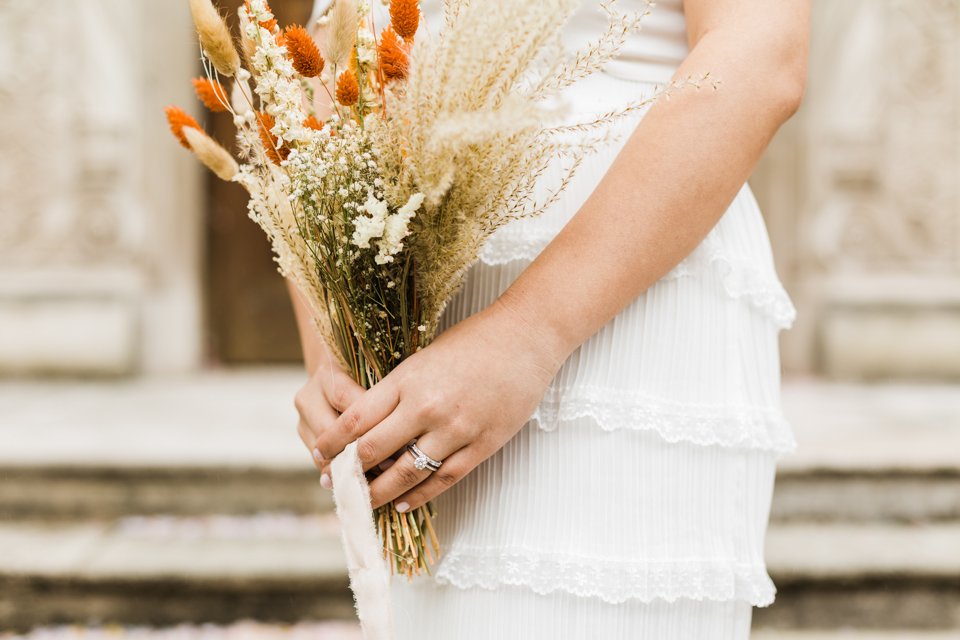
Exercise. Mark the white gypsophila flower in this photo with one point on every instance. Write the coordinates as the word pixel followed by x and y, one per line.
pixel 368 227
pixel 396 228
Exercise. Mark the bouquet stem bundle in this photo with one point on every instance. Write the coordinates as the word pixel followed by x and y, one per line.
pixel 432 144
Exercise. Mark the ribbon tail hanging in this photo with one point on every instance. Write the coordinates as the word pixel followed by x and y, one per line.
pixel 369 576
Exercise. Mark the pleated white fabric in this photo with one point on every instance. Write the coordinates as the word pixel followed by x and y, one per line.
pixel 615 515
pixel 634 503
pixel 427 611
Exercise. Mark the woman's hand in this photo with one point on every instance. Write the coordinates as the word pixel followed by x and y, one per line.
pixel 462 398
pixel 327 394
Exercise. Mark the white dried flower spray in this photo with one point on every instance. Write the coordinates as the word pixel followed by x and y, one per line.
pixel 371 224
pixel 278 83
pixel 396 228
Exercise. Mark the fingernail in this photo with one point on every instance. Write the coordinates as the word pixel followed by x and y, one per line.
pixel 403 507
pixel 317 455
pixel 386 464
pixel 325 481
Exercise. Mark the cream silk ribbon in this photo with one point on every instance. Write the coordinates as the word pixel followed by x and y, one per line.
pixel 369 577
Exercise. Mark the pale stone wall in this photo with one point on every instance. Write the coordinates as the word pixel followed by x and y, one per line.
pixel 99 212
pixel 862 193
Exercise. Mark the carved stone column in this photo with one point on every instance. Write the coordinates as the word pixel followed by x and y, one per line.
pixel 863 193
pixel 99 211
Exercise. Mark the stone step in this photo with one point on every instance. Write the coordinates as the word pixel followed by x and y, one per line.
pixel 224 442
pixel 864 576
pixel 881 495
pixel 213 442
pixel 349 631
pixel 903 634
pixel 169 570
pixel 245 630
pixel 287 568
pixel 58 492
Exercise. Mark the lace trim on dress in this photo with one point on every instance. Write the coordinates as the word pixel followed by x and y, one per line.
pixel 744 427
pixel 612 580
pixel 741 279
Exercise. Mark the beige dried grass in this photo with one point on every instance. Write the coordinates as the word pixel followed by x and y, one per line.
pixel 211 154
pixel 342 33
pixel 215 37
pixel 484 137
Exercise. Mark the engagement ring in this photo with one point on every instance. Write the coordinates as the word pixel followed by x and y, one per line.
pixel 421 460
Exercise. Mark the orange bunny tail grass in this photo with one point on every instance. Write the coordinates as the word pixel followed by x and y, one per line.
pixel 393 57
pixel 312 123
pixel 211 154
pixel 275 153
pixel 215 37
pixel 303 52
pixel 405 17
pixel 212 94
pixel 348 89
pixel 178 119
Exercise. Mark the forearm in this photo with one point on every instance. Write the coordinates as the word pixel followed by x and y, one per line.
pixel 672 181
pixel 315 350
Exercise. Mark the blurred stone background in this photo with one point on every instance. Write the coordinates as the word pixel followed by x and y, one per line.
pixel 150 475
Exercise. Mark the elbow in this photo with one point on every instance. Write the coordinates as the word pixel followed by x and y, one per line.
pixel 790 92
pixel 791 77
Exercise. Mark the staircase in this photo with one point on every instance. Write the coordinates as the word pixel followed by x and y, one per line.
pixel 158 502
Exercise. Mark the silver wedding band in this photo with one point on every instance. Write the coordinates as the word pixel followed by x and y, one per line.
pixel 421 460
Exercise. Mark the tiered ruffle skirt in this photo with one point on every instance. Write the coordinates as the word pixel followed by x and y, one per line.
pixel 634 503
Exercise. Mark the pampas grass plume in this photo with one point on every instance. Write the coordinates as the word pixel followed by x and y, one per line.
pixel 215 37
pixel 215 157
pixel 342 33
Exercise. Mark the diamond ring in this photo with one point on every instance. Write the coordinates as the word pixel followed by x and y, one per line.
pixel 421 460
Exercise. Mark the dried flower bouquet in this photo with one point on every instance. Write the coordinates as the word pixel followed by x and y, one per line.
pixel 433 143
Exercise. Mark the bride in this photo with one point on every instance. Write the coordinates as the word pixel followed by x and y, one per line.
pixel 603 408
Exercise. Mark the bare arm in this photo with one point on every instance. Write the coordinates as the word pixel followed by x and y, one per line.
pixel 685 162
pixel 315 350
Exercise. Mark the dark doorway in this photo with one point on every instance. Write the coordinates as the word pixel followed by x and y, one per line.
pixel 249 319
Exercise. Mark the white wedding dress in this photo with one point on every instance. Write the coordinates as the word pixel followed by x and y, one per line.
pixel 634 503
